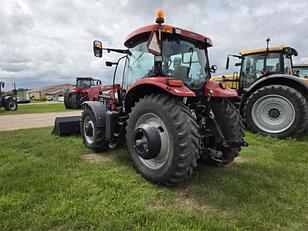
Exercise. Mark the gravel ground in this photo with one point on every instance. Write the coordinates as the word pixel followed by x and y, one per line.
pixel 33 120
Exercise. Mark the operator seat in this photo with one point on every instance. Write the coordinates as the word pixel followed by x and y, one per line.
pixel 180 72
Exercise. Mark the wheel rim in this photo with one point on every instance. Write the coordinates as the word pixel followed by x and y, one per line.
pixel 89 130
pixel 155 121
pixel 273 114
pixel 12 105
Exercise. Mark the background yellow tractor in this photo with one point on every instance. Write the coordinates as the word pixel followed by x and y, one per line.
pixel 301 70
pixel 271 99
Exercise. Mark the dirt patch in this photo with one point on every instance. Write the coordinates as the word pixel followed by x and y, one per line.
pixel 240 160
pixel 184 199
pixel 96 158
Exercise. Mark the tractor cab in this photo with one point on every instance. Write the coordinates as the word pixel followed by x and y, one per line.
pixel 161 53
pixel 86 82
pixel 167 51
pixel 258 63
pixel 301 70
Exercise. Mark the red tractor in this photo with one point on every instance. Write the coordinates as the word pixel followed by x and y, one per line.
pixel 9 102
pixel 167 110
pixel 75 96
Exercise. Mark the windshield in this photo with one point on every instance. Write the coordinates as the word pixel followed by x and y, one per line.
pixel 253 67
pixel 180 59
pixel 84 83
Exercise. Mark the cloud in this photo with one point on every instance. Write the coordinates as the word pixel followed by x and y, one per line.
pixel 50 41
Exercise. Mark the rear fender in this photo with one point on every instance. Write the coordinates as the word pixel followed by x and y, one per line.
pixel 161 83
pixel 216 89
pixel 289 80
pixel 8 98
pixel 155 85
pixel 99 110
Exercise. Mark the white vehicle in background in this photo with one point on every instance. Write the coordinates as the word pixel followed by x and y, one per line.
pixel 49 98
pixel 61 98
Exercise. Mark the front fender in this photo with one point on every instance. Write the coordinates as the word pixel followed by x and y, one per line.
pixel 216 89
pixel 99 110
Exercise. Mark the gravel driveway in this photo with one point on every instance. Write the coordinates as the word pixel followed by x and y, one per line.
pixel 33 120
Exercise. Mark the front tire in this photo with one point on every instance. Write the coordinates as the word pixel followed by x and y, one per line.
pixel 93 137
pixel 11 105
pixel 276 110
pixel 179 136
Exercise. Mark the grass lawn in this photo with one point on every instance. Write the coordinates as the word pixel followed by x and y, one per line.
pixel 53 183
pixel 35 108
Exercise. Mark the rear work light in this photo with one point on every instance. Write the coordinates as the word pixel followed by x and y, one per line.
pixel 175 83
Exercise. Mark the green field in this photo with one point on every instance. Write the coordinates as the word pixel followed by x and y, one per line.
pixel 35 108
pixel 53 183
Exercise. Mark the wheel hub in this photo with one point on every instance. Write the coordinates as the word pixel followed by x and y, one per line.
pixel 147 141
pixel 12 105
pixel 89 129
pixel 165 147
pixel 274 113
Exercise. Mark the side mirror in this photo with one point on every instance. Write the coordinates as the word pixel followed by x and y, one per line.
pixel 98 48
pixel 213 68
pixel 227 63
pixel 238 64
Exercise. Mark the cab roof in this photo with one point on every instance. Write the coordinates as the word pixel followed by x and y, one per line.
pixel 140 33
pixel 84 78
pixel 271 49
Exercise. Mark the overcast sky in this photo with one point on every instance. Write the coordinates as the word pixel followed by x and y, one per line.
pixel 50 41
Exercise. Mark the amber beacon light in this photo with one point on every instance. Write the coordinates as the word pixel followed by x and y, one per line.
pixel 160 16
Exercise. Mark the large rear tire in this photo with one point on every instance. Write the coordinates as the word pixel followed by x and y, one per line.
pixel 93 137
pixel 67 100
pixel 232 127
pixel 276 110
pixel 179 137
pixel 72 100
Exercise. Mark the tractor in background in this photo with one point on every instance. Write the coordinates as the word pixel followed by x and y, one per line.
pixel 271 99
pixel 166 109
pixel 75 96
pixel 301 70
pixel 9 102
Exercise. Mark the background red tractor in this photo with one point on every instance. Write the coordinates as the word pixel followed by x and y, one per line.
pixel 75 96
pixel 166 109
pixel 9 102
